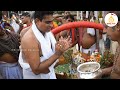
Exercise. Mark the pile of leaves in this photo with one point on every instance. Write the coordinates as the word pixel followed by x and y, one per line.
pixel 68 55
pixel 63 71
pixel 107 59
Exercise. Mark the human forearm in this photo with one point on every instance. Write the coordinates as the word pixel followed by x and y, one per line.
pixel 106 71
pixel 43 67
pixel 61 46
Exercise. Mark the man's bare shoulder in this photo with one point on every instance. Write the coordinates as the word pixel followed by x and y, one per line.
pixel 27 28
pixel 24 31
pixel 28 37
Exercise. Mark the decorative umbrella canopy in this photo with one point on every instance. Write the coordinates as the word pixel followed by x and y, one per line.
pixel 85 24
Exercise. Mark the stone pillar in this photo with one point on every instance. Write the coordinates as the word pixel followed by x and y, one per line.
pixel 87 13
pixel 96 14
pixel 78 15
pixel 81 15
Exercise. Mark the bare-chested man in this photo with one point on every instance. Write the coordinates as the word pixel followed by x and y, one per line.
pixel 39 49
pixel 89 36
pixel 9 53
pixel 88 41
pixel 26 20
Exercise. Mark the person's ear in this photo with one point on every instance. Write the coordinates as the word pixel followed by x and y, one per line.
pixel 37 20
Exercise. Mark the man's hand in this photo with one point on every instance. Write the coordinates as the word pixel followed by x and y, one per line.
pixel 99 75
pixel 62 45
pixel 65 42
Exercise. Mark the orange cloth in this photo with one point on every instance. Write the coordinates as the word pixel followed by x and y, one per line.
pixel 55 25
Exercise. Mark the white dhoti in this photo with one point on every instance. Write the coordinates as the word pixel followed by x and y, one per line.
pixel 47 44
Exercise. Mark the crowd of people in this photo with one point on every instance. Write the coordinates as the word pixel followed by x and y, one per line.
pixel 29 50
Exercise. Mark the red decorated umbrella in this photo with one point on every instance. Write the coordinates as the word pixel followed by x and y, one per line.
pixel 78 24
pixel 85 24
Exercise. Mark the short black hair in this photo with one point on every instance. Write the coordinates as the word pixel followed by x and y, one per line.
pixel 11 14
pixel 70 16
pixel 40 14
pixel 27 14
